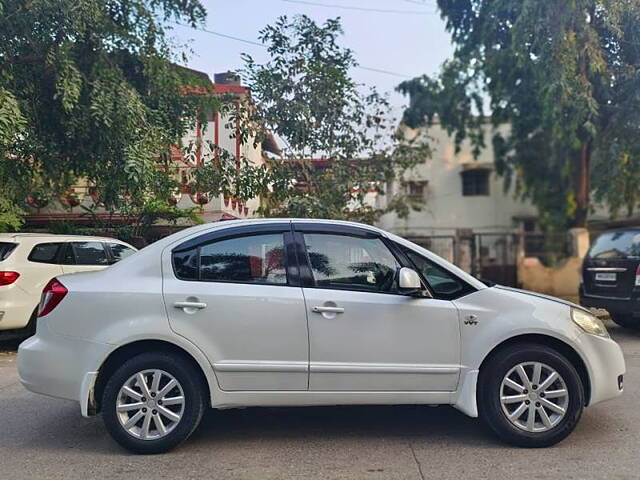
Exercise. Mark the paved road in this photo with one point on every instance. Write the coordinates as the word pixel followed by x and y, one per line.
pixel 42 437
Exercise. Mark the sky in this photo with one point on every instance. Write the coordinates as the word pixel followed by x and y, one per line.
pixel 408 44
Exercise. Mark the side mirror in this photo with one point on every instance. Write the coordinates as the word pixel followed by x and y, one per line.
pixel 409 282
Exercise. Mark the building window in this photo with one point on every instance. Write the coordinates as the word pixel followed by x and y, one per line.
pixel 415 189
pixel 475 182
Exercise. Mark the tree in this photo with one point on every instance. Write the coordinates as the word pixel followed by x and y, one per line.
pixel 12 127
pixel 565 75
pixel 88 91
pixel 340 143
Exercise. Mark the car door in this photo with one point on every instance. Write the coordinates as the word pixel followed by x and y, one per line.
pixel 364 335
pixel 235 295
pixel 84 257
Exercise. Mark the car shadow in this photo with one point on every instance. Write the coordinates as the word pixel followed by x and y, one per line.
pixel 334 422
pixel 62 429
pixel 9 346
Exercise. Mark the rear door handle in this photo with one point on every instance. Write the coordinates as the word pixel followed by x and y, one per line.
pixel 327 309
pixel 194 305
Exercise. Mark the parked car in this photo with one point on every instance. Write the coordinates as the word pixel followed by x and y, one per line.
pixel 29 260
pixel 611 276
pixel 302 312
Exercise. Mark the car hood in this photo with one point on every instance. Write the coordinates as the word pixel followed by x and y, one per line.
pixel 541 295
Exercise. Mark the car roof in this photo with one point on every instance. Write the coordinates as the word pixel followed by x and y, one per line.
pixel 322 221
pixel 55 237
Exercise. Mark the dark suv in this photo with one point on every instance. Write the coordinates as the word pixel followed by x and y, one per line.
pixel 611 276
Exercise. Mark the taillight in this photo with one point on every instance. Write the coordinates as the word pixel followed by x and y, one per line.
pixel 7 278
pixel 638 276
pixel 52 295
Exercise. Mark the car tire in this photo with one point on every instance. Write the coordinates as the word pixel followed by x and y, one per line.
pixel 146 435
pixel 495 394
pixel 625 320
pixel 30 328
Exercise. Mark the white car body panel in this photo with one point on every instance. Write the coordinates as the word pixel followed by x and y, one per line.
pixel 251 356
pixel 360 348
pixel 273 356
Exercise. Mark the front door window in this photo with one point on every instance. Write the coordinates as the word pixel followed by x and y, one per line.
pixel 351 263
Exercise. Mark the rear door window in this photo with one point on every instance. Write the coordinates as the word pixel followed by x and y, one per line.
pixel 5 249
pixel 255 259
pixel 252 259
pixel 616 245
pixel 45 253
pixel 89 253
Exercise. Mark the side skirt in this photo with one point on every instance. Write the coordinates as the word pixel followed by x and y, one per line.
pixel 315 398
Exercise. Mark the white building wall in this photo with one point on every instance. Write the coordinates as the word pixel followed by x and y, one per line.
pixel 217 206
pixel 445 209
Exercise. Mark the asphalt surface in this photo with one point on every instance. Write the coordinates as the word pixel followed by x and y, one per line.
pixel 42 437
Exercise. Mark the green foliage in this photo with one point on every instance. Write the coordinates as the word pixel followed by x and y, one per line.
pixel 340 139
pixel 88 91
pixel 10 216
pixel 565 76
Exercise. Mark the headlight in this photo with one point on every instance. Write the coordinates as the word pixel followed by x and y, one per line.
pixel 589 323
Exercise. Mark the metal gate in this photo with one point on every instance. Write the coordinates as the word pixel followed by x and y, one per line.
pixel 442 245
pixel 491 256
pixel 495 257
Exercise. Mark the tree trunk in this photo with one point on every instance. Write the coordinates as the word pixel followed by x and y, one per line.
pixel 583 187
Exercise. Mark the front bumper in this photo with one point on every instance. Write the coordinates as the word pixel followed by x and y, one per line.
pixel 60 366
pixel 606 366
pixel 625 306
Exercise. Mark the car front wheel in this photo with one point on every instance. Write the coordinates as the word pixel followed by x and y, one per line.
pixel 153 402
pixel 530 395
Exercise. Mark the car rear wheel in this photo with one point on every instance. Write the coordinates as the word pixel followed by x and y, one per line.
pixel 530 395
pixel 626 320
pixel 153 402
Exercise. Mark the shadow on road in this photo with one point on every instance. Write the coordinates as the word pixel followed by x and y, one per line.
pixel 304 423
pixel 62 428
pixel 9 345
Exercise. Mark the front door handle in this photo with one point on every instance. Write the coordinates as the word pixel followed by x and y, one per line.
pixel 327 309
pixel 190 305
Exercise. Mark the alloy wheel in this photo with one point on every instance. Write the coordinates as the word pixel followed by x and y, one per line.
pixel 534 397
pixel 150 404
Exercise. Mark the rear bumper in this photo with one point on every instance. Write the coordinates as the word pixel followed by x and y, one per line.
pixel 60 366
pixel 16 307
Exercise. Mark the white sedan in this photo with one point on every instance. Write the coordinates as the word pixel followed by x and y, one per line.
pixel 310 312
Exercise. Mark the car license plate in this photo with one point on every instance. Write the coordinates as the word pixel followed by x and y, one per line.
pixel 606 277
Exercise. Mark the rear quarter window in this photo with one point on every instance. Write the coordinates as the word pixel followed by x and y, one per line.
pixel 616 245
pixel 6 248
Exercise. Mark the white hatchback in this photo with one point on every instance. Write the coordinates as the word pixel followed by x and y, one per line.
pixel 310 312
pixel 29 260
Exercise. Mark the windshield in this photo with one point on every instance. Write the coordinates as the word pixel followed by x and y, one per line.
pixel 622 244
